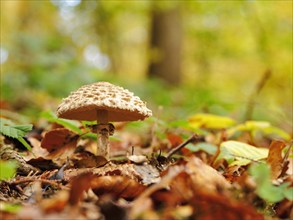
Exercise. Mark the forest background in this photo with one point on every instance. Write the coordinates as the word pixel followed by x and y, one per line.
pixel 231 58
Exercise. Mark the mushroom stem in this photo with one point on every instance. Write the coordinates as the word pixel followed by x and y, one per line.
pixel 103 143
pixel 103 148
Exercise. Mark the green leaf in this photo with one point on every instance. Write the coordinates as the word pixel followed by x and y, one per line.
pixel 210 121
pixel 14 131
pixel 262 126
pixel 209 148
pixel 6 121
pixel 7 169
pixel 70 124
pixel 12 208
pixel 24 143
pixel 265 189
pixel 270 193
pixel 187 126
pixel 288 193
pixel 179 123
pixel 238 153
pixel 274 131
pixel 7 128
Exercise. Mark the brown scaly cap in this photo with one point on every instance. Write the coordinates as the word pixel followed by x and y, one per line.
pixel 121 104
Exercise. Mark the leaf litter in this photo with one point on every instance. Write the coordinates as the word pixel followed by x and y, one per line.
pixel 62 178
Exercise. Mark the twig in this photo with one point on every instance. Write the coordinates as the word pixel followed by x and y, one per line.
pixel 193 138
pixel 259 86
pixel 288 152
pixel 285 162
pixel 29 179
pixel 246 158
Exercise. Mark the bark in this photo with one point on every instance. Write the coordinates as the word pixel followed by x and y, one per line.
pixel 166 45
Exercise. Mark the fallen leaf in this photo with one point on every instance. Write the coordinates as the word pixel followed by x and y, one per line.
pixel 205 177
pixel 37 150
pixel 79 184
pixel 215 206
pixel 275 159
pixel 138 159
pixel 241 154
pixel 58 138
pixel 86 159
pixel 61 144
pixel 145 174
pixel 284 209
pixel 174 139
pixel 56 203
pixel 117 186
pixel 111 209
pixel 43 164
pixel 138 205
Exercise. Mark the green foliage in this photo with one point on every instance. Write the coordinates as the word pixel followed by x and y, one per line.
pixel 216 49
pixel 12 208
pixel 238 153
pixel 15 131
pixel 209 148
pixel 8 169
pixel 73 125
pixel 7 128
pixel 265 189
pixel 70 124
pixel 259 126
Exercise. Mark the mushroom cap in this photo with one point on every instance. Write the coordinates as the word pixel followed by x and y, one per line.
pixel 120 104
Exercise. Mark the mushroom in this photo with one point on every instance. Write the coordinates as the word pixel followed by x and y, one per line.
pixel 103 102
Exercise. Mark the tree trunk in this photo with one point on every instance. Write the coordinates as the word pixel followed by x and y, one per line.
pixel 166 45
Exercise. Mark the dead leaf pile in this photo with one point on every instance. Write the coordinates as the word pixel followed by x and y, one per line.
pixel 62 178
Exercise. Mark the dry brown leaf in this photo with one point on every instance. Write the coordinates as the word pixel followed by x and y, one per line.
pixel 138 206
pixel 174 139
pixel 275 158
pixel 284 209
pixel 213 206
pixel 183 181
pixel 60 155
pixel 210 200
pixel 79 184
pixel 196 177
pixel 145 174
pixel 117 186
pixel 86 159
pixel 56 139
pixel 37 150
pixel 205 177
pixel 56 203
pixel 43 164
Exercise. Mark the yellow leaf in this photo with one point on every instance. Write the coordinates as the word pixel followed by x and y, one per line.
pixel 203 120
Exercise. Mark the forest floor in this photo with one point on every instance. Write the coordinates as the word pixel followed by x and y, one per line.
pixel 186 170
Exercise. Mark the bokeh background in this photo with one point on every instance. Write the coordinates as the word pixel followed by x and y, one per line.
pixel 231 58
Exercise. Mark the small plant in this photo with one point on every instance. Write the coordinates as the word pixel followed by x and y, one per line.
pixel 8 169
pixel 261 173
pixel 9 129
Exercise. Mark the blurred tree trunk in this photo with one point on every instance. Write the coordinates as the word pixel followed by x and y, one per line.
pixel 166 45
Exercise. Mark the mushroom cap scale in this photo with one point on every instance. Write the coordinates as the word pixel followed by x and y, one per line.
pixel 120 104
